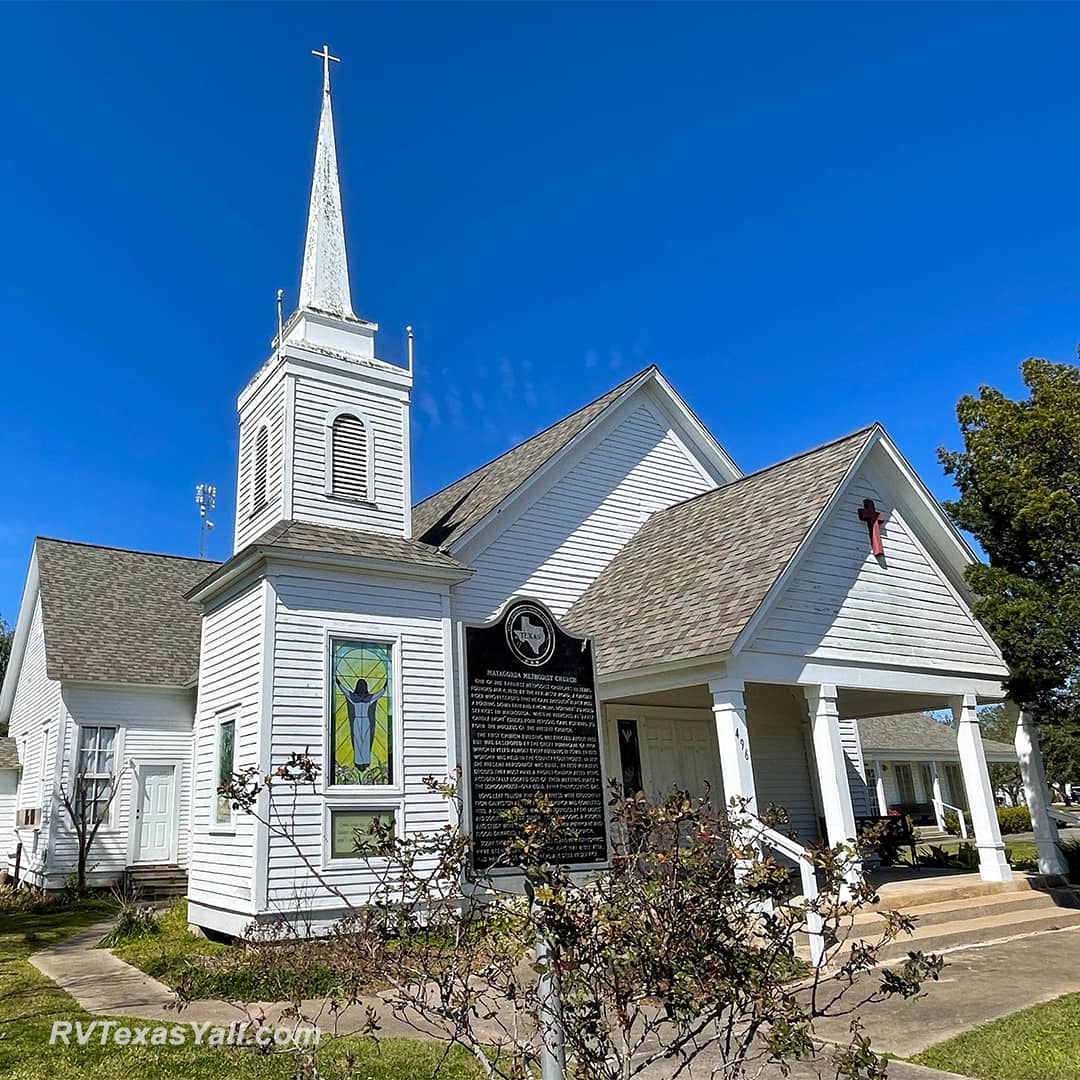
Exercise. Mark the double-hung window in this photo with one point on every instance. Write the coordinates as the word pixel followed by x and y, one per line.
pixel 95 772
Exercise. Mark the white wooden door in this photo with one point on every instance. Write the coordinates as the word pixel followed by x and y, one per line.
pixel 154 824
pixel 681 754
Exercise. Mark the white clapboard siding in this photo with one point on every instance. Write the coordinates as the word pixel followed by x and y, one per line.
pixel 843 604
pixel 856 768
pixel 153 724
pixel 778 728
pixel 310 606
pixel 383 508
pixel 35 717
pixel 222 861
pixel 558 546
pixel 265 411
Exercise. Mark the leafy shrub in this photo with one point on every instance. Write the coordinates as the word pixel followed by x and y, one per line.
pixel 1014 819
pixel 1011 819
pixel 132 923
pixel 1071 850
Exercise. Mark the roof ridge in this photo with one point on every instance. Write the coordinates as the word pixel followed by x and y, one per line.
pixel 536 435
pixel 769 468
pixel 127 551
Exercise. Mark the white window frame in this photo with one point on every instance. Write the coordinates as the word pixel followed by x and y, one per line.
pixel 109 818
pixel 355 793
pixel 369 433
pixel 229 716
pixel 354 862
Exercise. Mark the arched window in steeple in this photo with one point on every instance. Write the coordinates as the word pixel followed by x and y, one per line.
pixel 349 465
pixel 260 457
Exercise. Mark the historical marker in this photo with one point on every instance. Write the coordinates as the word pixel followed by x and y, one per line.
pixel 533 726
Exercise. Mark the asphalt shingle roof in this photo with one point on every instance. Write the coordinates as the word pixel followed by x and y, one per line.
pixel 113 615
pixel 9 753
pixel 689 580
pixel 448 514
pixel 304 536
pixel 918 733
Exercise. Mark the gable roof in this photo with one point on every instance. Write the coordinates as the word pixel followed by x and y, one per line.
pixel 446 516
pixel 691 578
pixel 921 734
pixel 118 616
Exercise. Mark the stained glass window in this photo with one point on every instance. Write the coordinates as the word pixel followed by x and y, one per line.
pixel 361 712
pixel 226 752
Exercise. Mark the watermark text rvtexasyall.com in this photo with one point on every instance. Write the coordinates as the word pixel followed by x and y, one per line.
pixel 241 1033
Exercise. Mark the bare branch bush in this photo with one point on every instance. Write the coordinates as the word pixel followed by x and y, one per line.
pixel 691 952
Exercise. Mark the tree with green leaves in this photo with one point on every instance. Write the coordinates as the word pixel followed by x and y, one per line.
pixel 7 636
pixel 1018 476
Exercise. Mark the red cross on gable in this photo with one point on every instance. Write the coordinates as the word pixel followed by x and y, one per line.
pixel 873 518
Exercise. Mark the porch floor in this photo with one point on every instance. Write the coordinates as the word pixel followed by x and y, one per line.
pixel 907 886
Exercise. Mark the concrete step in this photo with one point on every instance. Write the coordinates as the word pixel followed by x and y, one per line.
pixel 937 937
pixel 972 908
pixel 951 913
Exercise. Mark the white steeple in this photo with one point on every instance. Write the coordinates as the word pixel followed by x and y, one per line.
pixel 324 282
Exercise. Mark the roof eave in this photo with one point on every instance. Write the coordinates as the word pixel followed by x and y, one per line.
pixel 247 560
pixel 23 622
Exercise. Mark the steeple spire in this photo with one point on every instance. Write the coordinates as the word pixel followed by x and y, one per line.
pixel 324 281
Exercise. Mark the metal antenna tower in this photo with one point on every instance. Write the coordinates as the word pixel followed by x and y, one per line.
pixel 206 500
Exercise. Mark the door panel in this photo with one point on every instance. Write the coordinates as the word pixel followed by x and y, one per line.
pixel 155 830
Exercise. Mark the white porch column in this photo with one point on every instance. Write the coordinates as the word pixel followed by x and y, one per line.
pixel 993 865
pixel 1033 772
pixel 832 771
pixel 939 810
pixel 733 740
pixel 879 790
pixel 831 767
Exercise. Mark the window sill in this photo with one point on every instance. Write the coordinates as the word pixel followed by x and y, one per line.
pixel 221 830
pixel 365 504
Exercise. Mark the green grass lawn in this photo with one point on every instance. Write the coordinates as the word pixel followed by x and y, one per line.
pixel 1040 1043
pixel 29 1003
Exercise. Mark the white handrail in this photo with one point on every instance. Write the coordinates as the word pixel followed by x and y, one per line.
pixel 805 860
pixel 1062 815
pixel 942 806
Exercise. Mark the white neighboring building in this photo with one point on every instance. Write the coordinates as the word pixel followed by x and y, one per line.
pixel 102 681
pixel 912 766
pixel 742 623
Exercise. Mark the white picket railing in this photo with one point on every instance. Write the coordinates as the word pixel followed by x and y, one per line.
pixel 1062 815
pixel 942 806
pixel 793 850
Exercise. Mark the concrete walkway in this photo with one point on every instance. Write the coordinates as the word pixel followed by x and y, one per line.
pixel 978 985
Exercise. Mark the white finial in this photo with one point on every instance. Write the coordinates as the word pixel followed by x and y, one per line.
pixel 408 330
pixel 324 280
pixel 326 59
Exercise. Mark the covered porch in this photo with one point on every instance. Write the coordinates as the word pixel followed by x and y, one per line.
pixel 795 744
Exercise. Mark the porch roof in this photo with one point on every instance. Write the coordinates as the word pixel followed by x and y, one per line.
pixel 919 735
pixel 692 577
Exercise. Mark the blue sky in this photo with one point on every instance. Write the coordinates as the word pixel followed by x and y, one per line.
pixel 809 216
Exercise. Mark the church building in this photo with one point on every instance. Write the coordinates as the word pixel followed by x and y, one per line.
pixel 729 653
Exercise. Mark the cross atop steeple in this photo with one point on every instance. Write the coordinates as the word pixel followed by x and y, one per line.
pixel 324 280
pixel 326 60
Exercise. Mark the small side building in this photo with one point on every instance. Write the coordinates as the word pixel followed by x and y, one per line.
pixel 101 684
pixel 913 765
